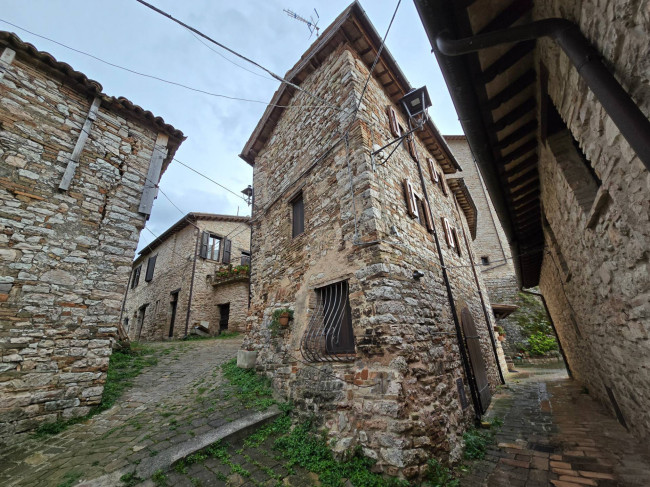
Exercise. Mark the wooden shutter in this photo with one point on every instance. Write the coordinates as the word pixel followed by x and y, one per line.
pixel 443 185
pixel 136 277
pixel 457 241
pixel 428 220
pixel 226 250
pixel 448 233
pixel 432 170
pixel 411 204
pixel 394 125
pixel 410 144
pixel 205 242
pixel 151 265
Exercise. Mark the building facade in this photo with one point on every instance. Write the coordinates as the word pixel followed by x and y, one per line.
pixel 390 342
pixel 558 121
pixel 492 248
pixel 191 279
pixel 77 176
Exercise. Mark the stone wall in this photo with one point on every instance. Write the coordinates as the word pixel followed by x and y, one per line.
pixel 398 399
pixel 173 274
pixel 65 255
pixel 596 272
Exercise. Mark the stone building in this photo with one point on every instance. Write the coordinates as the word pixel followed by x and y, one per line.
pixel 492 247
pixel 390 342
pixel 77 176
pixel 555 107
pixel 194 275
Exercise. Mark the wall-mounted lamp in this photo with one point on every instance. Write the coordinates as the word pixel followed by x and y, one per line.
pixel 416 102
pixel 248 192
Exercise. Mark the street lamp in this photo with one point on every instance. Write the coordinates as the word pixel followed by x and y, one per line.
pixel 248 192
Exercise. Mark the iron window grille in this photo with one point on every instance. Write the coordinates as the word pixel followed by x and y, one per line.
pixel 329 336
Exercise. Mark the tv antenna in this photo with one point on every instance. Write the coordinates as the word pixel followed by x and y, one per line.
pixel 312 24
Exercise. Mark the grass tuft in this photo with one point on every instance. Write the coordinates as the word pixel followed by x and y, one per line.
pixel 253 389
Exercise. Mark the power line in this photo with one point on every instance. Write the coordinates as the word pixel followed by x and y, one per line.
pixel 174 83
pixel 231 51
pixel 209 179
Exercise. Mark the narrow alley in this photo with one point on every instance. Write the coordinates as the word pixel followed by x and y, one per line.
pixel 554 433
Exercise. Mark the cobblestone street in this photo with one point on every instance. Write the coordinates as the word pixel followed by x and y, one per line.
pixel 175 401
pixel 556 434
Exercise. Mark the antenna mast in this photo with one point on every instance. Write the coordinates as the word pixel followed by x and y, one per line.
pixel 312 24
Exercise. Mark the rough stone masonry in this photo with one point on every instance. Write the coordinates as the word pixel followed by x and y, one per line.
pixel 73 171
pixel 402 391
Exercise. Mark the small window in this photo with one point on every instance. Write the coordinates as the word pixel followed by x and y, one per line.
pixel 126 325
pixel 214 247
pixel 443 184
pixel 449 234
pixel 136 277
pixel 245 258
pixel 455 233
pixel 395 128
pixel 151 266
pixel 412 148
pixel 485 260
pixel 435 179
pixel 298 216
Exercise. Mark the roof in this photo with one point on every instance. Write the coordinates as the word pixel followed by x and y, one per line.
pixel 495 92
pixel 464 198
pixel 503 310
pixel 189 219
pixel 45 61
pixel 353 27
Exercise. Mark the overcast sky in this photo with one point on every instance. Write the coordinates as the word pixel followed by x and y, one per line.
pixel 125 32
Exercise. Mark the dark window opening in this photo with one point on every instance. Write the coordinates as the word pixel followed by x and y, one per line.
pixel 136 277
pixel 224 316
pixel 245 258
pixel 485 260
pixel 151 266
pixel 126 325
pixel 173 303
pixel 329 335
pixel 298 216
pixel 578 172
pixel 420 218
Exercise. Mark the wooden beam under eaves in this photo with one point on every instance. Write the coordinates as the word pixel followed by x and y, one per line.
pixel 506 61
pixel 515 114
pixel 522 180
pixel 520 151
pixel 508 16
pixel 521 133
pixel 512 90
pixel 524 165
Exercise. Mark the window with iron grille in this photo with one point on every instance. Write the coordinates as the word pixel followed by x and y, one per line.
pixel 329 335
pixel 298 215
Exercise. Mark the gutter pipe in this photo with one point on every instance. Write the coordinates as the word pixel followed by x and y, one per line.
pixel 623 111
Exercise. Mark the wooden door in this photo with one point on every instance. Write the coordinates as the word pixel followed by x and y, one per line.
pixel 479 370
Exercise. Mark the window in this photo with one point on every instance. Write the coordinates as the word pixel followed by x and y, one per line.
pixel 443 184
pixel 410 145
pixel 151 265
pixel 455 232
pixel 329 334
pixel 577 171
pixel 211 247
pixel 417 207
pixel 126 325
pixel 298 215
pixel 485 260
pixel 411 203
pixel 395 129
pixel 136 277
pixel 435 179
pixel 449 235
pixel 245 258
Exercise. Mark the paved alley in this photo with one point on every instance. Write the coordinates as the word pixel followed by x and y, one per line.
pixel 174 401
pixel 555 434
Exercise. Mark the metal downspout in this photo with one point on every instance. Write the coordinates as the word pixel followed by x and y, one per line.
pixel 627 116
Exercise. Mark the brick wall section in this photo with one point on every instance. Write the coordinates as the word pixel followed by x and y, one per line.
pixel 173 272
pixel 65 256
pixel 596 278
pixel 400 402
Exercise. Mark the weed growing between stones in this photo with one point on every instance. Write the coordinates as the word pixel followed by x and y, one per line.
pixel 159 478
pixel 130 479
pixel 252 389
pixel 437 475
pixel 224 335
pixel 69 479
pixel 478 440
pixel 125 364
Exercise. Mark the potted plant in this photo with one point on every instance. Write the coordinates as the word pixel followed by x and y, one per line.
pixel 501 332
pixel 282 316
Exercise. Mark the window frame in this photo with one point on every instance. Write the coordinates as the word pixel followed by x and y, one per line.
pixel 297 203
pixel 135 277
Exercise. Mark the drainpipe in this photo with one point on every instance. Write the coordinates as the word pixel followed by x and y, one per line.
pixel 452 304
pixel 627 116
pixel 557 337
pixel 189 300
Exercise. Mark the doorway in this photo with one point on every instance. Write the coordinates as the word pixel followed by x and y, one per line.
pixel 173 302
pixel 477 363
pixel 224 316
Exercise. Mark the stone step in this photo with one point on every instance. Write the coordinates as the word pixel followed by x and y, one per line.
pixel 166 458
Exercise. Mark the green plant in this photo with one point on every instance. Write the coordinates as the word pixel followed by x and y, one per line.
pixel 275 317
pixel 540 343
pixel 254 390
pixel 500 330
pixel 477 441
pixel 159 478
pixel 130 479
pixel 69 479
pixel 181 467
pixel 437 475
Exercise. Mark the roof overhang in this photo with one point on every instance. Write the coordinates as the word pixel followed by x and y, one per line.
pixel 503 310
pixel 465 201
pixel 495 91
pixel 351 27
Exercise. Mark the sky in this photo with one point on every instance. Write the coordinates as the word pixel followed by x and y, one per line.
pixel 128 34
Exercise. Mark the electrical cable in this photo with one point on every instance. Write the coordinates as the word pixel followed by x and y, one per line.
pixel 162 80
pixel 231 51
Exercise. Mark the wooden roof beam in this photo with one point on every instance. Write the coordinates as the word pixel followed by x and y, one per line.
pixel 522 166
pixel 520 151
pixel 515 114
pixel 517 135
pixel 512 90
pixel 508 16
pixel 509 59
